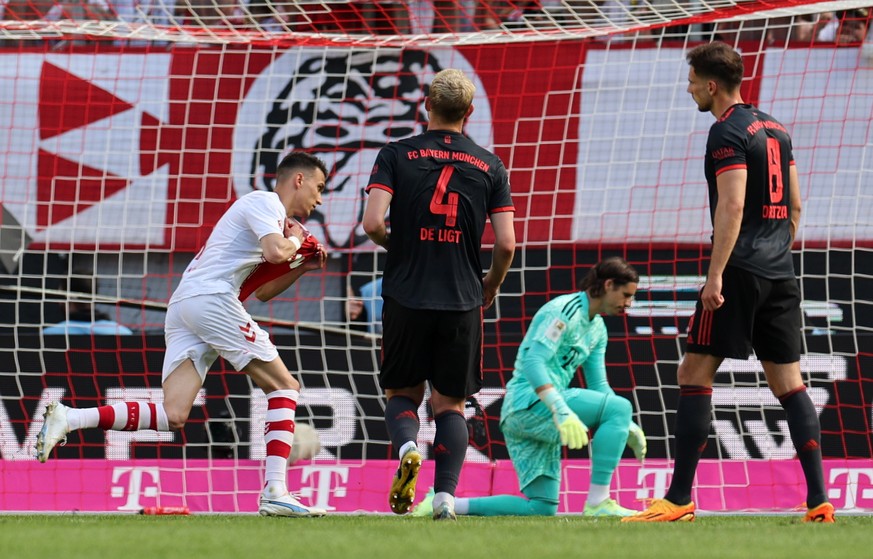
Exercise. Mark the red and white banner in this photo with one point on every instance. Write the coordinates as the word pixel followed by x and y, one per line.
pixel 147 149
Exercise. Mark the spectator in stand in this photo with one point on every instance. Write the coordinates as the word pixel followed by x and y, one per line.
pixel 27 10
pixel 82 317
pixel 212 13
pixel 365 306
pixel 81 10
pixel 794 30
pixel 387 18
pixel 271 17
pixel 151 12
pixel 849 27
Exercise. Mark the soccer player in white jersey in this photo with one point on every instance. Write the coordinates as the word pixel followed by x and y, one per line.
pixel 205 319
pixel 541 413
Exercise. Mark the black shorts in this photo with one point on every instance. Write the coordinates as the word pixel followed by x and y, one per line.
pixel 442 347
pixel 757 313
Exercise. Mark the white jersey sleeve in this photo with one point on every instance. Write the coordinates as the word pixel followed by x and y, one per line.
pixel 233 248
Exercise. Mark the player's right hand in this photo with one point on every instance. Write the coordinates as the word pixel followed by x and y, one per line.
pixel 711 296
pixel 574 433
pixel 293 228
pixel 489 291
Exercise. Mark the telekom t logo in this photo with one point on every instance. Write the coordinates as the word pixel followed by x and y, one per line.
pixel 323 478
pixel 141 482
pixel 654 478
pixel 846 483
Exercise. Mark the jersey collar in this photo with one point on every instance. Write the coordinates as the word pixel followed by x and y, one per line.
pixel 586 305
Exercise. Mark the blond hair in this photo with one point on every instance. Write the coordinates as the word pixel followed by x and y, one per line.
pixel 451 94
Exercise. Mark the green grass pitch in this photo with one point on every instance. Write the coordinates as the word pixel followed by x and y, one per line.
pixel 71 536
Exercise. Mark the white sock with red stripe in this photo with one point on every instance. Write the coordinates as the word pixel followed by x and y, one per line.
pixel 124 416
pixel 279 436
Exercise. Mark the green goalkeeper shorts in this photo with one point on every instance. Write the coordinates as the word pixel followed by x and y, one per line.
pixel 533 442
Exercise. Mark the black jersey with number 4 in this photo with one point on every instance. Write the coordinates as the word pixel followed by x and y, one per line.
pixel 746 138
pixel 443 188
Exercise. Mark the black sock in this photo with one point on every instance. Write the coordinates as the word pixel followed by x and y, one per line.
pixel 449 450
pixel 805 432
pixel 693 419
pixel 401 418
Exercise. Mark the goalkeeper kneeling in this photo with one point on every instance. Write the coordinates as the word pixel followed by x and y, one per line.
pixel 541 413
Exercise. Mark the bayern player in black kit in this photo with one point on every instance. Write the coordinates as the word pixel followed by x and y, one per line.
pixel 751 298
pixel 440 188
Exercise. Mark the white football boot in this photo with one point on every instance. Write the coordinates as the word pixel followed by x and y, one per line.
pixel 54 430
pixel 286 505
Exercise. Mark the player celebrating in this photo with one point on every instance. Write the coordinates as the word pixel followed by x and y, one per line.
pixel 751 297
pixel 205 319
pixel 541 412
pixel 440 188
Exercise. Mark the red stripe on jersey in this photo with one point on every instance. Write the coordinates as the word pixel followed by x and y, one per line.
pixel 503 209
pixel 730 168
pixel 278 448
pixel 384 187
pixel 153 420
pixel 107 417
pixel 132 416
pixel 727 113
pixel 278 402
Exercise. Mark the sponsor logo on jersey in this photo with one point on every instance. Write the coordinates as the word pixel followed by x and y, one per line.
pixel 556 330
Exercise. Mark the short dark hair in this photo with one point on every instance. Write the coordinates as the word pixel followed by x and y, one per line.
pixel 857 14
pixel 299 160
pixel 80 280
pixel 80 284
pixel 614 268
pixel 717 61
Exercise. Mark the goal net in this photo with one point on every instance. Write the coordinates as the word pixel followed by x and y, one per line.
pixel 128 127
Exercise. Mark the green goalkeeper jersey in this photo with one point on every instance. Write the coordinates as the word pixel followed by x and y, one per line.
pixel 562 330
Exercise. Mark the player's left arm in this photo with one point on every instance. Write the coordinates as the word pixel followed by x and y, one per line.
pixel 276 286
pixel 501 256
pixel 594 367
pixel 731 187
pixel 573 433
pixel 594 370
pixel 796 204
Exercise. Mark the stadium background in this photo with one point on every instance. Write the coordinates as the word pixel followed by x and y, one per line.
pixel 120 158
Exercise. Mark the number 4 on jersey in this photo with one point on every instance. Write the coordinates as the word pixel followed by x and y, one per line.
pixel 450 207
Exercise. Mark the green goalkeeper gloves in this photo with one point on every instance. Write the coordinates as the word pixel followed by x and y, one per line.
pixel 636 440
pixel 574 433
